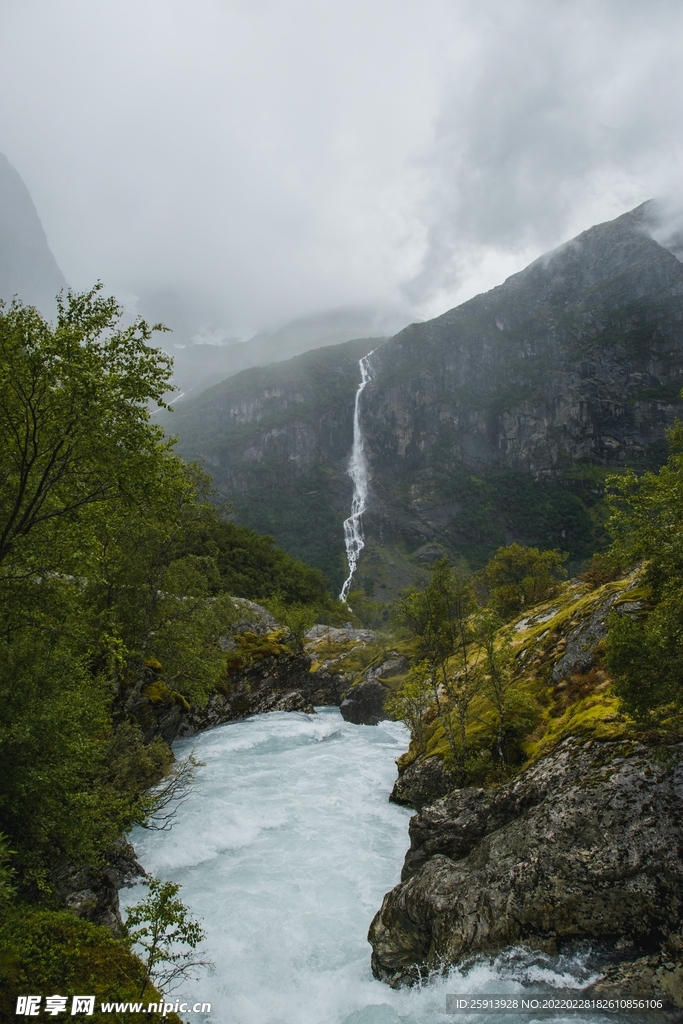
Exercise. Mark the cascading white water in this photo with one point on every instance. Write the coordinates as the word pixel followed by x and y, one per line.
pixel 285 851
pixel 358 471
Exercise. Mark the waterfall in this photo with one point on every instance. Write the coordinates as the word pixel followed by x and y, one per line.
pixel 358 471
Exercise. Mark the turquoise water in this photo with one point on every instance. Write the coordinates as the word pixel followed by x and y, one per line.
pixel 285 851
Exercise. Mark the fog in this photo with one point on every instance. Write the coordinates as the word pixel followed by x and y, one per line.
pixel 259 160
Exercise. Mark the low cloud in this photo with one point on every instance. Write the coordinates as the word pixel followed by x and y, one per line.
pixel 265 159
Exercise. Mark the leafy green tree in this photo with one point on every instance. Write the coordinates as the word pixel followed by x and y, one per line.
pixel 645 653
pixel 498 666
pixel 411 702
pixel 73 404
pixel 160 926
pixel 439 617
pixel 515 710
pixel 297 618
pixel 6 873
pixel 251 565
pixel 94 506
pixel 518 577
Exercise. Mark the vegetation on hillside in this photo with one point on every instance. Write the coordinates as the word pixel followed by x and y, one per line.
pixel 299 501
pixel 511 660
pixel 117 579
pixel 645 652
pixel 116 582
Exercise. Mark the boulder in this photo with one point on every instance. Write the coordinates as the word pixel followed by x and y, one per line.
pixel 324 688
pixel 423 782
pixel 268 685
pixel 292 701
pixel 364 704
pixel 396 664
pixel 585 844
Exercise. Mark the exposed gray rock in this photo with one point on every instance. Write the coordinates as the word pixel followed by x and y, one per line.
pixel 93 893
pixel 293 701
pixel 658 976
pixel 394 665
pixel 261 687
pixel 340 634
pixel 422 783
pixel 583 640
pixel 364 704
pixel 587 844
pixel 326 689
pixel 253 617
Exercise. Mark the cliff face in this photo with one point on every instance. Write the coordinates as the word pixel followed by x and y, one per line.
pixel 579 354
pixel 27 267
pixel 494 422
pixel 586 844
pixel 577 358
pixel 276 441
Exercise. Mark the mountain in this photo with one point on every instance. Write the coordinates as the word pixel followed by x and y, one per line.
pixel 201 363
pixel 27 267
pixel 497 421
pixel 276 440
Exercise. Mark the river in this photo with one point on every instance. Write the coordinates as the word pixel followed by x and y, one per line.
pixel 284 851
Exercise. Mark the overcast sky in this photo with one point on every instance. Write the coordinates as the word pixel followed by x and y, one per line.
pixel 280 157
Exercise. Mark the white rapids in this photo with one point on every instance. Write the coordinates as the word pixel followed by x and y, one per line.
pixel 284 851
pixel 358 471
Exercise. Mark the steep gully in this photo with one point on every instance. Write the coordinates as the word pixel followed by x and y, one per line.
pixel 358 471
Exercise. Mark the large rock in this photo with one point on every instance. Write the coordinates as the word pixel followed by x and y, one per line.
pixel 365 701
pixel 272 684
pixel 658 976
pixel 422 783
pixel 325 689
pixel 364 704
pixel 586 844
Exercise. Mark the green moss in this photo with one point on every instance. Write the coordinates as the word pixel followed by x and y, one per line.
pixel 251 648
pixel 583 705
pixel 595 716
pixel 158 692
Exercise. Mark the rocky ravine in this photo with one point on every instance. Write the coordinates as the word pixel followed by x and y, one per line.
pixel 585 844
pixel 282 681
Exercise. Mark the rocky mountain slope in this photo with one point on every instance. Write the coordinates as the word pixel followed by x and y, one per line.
pixel 27 267
pixel 574 362
pixel 276 441
pixel 204 354
pixel 497 421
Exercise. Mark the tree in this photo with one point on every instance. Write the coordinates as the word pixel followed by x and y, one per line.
pixel 94 509
pixel 498 664
pixel 518 576
pixel 297 618
pixel 645 653
pixel 439 617
pixel 411 701
pixel 160 926
pixel 73 403
pixel 514 709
